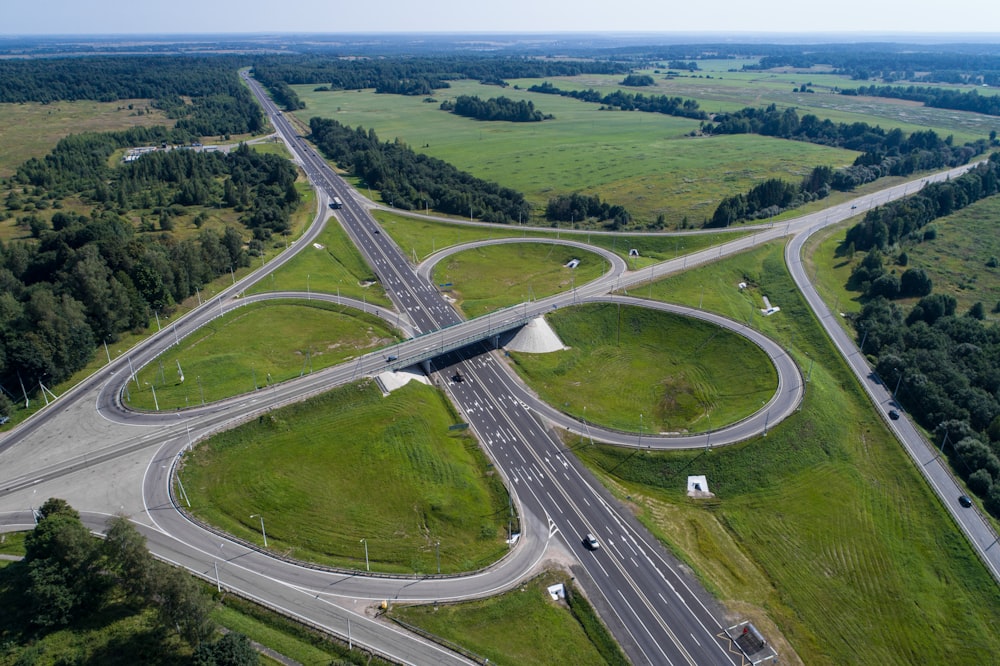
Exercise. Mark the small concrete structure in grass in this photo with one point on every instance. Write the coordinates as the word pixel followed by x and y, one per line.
pixel 769 309
pixel 573 263
pixel 697 487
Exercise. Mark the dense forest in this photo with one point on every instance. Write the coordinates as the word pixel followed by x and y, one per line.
pixel 944 366
pixel 410 180
pixel 205 95
pixel 87 278
pixel 939 98
pixel 495 108
pixel 69 578
pixel 671 106
pixel 417 75
pixel 884 153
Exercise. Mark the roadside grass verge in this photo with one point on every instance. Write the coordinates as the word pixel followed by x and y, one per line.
pixel 420 238
pixel 522 626
pixel 646 162
pixel 286 636
pixel 824 527
pixel 331 265
pixel 350 465
pixel 489 278
pixel 638 370
pixel 277 341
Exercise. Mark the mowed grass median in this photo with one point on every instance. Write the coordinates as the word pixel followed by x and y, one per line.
pixel 823 532
pixel 253 347
pixel 489 278
pixel 351 465
pixel 640 370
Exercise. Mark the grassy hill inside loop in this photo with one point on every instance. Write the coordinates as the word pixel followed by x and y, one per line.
pixel 351 465
pixel 636 368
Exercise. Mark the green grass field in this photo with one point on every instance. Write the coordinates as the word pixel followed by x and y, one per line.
pixel 823 530
pixel 493 277
pixel 420 238
pixel 646 162
pixel 332 265
pixel 50 122
pixel 277 341
pixel 955 260
pixel 638 368
pixel 384 469
pixel 523 626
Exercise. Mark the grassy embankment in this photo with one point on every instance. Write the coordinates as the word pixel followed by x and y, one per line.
pixel 421 238
pixel 643 371
pixel 254 347
pixel 493 277
pixel 349 465
pixel 824 527
pixel 523 626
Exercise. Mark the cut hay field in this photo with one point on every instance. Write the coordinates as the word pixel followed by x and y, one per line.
pixel 350 465
pixel 823 530
pixel 489 278
pixel 638 370
pixel 646 162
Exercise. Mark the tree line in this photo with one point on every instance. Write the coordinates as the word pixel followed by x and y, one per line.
pixel 417 75
pixel 624 101
pixel 67 575
pixel 85 279
pixel 954 63
pixel 219 103
pixel 944 367
pixel 495 108
pixel 883 153
pixel 579 207
pixel 410 180
pixel 935 97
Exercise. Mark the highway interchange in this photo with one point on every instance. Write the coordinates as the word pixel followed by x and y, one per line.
pixel 104 458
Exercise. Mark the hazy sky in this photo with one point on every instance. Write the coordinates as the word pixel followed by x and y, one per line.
pixel 33 17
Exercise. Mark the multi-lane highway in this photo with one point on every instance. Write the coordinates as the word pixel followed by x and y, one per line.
pixel 90 449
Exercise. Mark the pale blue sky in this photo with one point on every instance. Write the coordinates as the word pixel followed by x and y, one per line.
pixel 35 17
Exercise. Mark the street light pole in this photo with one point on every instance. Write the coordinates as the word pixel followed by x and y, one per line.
pixel 438 546
pixel 365 541
pixel 898 382
pixel 263 533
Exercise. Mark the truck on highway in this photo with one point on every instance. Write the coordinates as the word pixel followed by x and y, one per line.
pixel 335 203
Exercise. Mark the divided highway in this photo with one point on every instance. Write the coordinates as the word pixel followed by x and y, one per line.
pixel 104 458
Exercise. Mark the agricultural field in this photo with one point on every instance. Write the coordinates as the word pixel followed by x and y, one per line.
pixel 647 162
pixel 546 631
pixel 638 370
pixel 50 122
pixel 383 469
pixel 277 341
pixel 823 529
pixel 489 278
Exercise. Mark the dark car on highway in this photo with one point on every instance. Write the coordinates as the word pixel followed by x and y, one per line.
pixel 964 501
pixel 893 414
